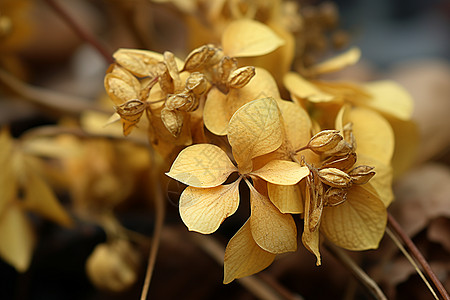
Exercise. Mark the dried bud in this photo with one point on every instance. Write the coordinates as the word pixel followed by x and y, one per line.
pixel 324 141
pixel 131 111
pixel 183 102
pixel 240 77
pixel 335 178
pixel 361 174
pixel 196 83
pixel 335 196
pixel 113 266
pixel 340 162
pixel 198 58
pixel 173 120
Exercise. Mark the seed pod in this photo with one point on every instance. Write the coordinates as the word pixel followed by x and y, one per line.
pixel 324 141
pixel 240 77
pixel 341 149
pixel 348 135
pixel 335 178
pixel 196 83
pixel 361 174
pixel 340 162
pixel 183 102
pixel 166 82
pixel 172 67
pixel 226 66
pixel 172 120
pixel 198 58
pixel 335 196
pixel 131 111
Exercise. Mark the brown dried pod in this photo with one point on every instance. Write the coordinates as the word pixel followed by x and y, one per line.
pixel 344 162
pixel 172 120
pixel 348 135
pixel 335 178
pixel 361 174
pixel 325 141
pixel 196 83
pixel 240 77
pixel 226 66
pixel 342 148
pixel 132 110
pixel 198 58
pixel 335 196
pixel 185 101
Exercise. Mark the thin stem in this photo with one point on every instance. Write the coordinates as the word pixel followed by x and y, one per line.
pixel 417 255
pixel 81 32
pixel 159 223
pixel 359 273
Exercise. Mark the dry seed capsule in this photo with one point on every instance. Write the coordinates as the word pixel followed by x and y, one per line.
pixel 342 148
pixel 340 162
pixel 196 83
pixel 348 135
pixel 131 110
pixel 361 174
pixel 173 120
pixel 183 101
pixel 325 140
pixel 335 196
pixel 226 66
pixel 335 178
pixel 240 77
pixel 198 58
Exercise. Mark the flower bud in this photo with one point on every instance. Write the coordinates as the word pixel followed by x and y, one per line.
pixel 361 174
pixel 240 77
pixel 324 141
pixel 335 178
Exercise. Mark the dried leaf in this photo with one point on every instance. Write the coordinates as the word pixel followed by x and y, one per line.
pixel 17 238
pixel 302 88
pixel 202 165
pixel 287 198
pixel 358 223
pixel 272 230
pixel 243 256
pixel 204 209
pixel 348 58
pixel 255 129
pixel 282 172
pixel 247 37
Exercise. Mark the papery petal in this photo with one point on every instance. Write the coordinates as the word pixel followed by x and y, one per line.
pixel 272 230
pixel 17 238
pixel 243 256
pixel 310 239
pixel 287 198
pixel 390 98
pixel 282 172
pixel 204 209
pixel 215 112
pixel 359 222
pixel 302 88
pixel 202 165
pixel 121 86
pixel 247 37
pixel 336 63
pixel 407 140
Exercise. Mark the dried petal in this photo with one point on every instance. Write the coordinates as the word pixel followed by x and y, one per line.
pixel 282 172
pixel 121 86
pixel 335 178
pixel 240 77
pixel 287 198
pixel 337 63
pixel 302 88
pixel 172 67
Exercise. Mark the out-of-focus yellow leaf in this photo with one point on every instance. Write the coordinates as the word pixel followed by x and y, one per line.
pixel 390 98
pixel 358 223
pixel 247 37
pixel 282 172
pixel 348 58
pixel 287 198
pixel 302 88
pixel 243 256
pixel 297 124
pixel 310 239
pixel 8 182
pixel 204 209
pixel 254 130
pixel 407 140
pixel 40 199
pixel 202 165
pixel 16 238
pixel 272 230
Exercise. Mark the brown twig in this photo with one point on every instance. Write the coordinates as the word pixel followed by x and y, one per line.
pixel 393 224
pixel 81 32
pixel 359 273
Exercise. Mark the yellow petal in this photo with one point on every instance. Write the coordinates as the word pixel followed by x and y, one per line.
pixel 287 198
pixel 297 123
pixel 247 37
pixel 282 172
pixel 215 112
pixel 358 223
pixel 254 130
pixel 302 88
pixel 374 136
pixel 310 239
pixel 202 165
pixel 40 199
pixel 272 230
pixel 348 58
pixel 243 257
pixel 407 139
pixel 16 238
pixel 390 98
pixel 204 209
